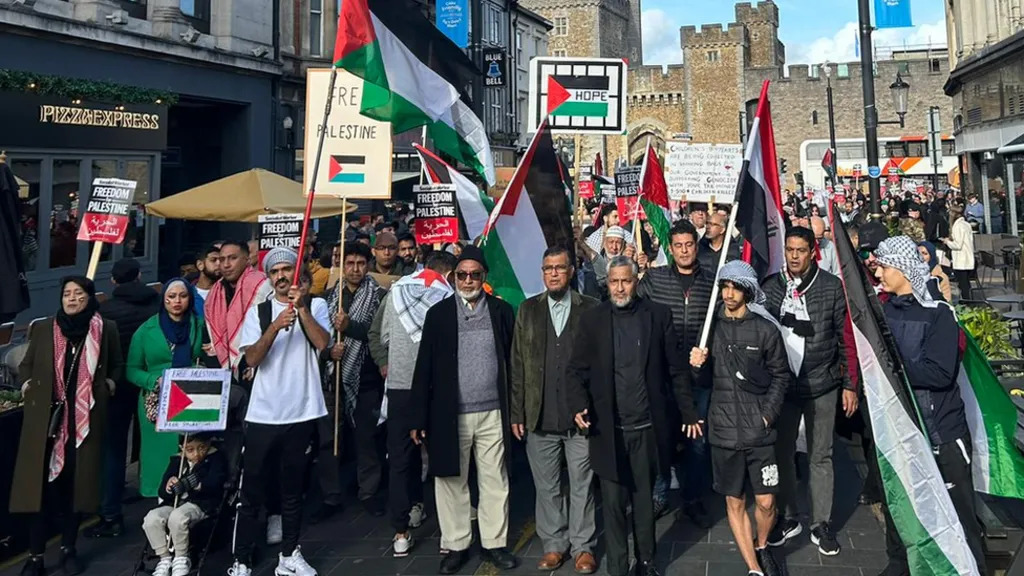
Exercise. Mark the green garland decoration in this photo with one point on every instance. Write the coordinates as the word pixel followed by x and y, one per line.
pixel 77 88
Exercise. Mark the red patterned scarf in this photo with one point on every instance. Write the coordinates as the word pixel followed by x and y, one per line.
pixel 224 320
pixel 89 357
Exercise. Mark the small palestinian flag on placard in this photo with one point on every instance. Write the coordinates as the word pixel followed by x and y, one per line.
pixel 347 169
pixel 585 96
pixel 193 400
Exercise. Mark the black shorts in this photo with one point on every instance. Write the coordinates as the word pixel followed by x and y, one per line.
pixel 732 469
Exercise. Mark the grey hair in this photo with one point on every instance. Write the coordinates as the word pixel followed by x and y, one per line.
pixel 621 261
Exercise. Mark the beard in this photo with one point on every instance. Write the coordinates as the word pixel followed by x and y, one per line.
pixel 558 294
pixel 471 296
pixel 211 276
pixel 623 302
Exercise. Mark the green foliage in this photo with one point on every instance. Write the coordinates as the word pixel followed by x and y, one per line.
pixel 77 88
pixel 990 331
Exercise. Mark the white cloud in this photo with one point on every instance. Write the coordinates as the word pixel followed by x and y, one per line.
pixel 841 46
pixel 661 38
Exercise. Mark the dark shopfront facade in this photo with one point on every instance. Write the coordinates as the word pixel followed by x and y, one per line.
pixel 222 124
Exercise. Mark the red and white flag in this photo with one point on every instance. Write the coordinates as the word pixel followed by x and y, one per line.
pixel 759 215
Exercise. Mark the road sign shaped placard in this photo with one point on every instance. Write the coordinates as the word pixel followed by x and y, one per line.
pixel 578 95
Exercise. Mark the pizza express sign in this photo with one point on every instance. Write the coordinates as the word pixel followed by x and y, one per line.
pixel 32 121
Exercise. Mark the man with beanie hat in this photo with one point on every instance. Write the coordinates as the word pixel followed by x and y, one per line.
pixel 461 408
pixel 282 339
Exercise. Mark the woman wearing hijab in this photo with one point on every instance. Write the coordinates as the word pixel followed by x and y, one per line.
pixel 938 282
pixel 68 374
pixel 173 338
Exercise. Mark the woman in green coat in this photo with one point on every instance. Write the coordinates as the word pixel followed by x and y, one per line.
pixel 173 338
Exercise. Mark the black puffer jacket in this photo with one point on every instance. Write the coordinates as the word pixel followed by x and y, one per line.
pixel 824 365
pixel 735 416
pixel 689 307
pixel 129 306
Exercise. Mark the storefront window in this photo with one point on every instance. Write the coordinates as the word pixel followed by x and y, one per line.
pixel 64 213
pixel 27 174
pixel 103 169
pixel 135 238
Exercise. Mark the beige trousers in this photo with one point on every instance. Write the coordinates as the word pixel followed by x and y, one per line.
pixel 164 521
pixel 482 434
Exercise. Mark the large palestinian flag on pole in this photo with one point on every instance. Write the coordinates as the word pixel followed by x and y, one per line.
pixel 193 400
pixel 914 490
pixel 654 201
pixel 759 213
pixel 474 205
pixel 413 78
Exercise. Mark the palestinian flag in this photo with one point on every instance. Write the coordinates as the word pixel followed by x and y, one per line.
pixel 914 490
pixel 998 467
pixel 759 213
pixel 598 165
pixel 585 96
pixel 347 169
pixel 654 201
pixel 413 78
pixel 194 401
pixel 474 205
pixel 828 164
pixel 531 216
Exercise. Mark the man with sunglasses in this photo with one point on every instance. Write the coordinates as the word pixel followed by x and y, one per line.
pixel 460 408
pixel 385 257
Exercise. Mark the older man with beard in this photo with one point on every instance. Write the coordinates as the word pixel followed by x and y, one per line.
pixel 460 406
pixel 625 366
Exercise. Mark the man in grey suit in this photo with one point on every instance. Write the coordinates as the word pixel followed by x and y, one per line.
pixel 545 329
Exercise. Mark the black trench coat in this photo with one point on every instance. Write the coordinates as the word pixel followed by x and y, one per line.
pixel 435 383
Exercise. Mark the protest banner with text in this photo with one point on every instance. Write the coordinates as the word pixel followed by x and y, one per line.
pixel 436 219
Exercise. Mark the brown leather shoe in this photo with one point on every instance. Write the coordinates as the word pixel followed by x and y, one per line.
pixel 551 561
pixel 585 563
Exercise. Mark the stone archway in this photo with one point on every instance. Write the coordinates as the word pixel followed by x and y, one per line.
pixel 638 135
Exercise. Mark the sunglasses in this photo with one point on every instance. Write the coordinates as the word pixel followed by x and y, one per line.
pixel 476 276
pixel 864 254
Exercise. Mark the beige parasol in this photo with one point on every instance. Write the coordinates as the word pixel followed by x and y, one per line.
pixel 243 197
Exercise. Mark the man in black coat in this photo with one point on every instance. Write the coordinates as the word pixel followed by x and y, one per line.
pixel 130 305
pixel 460 406
pixel 625 366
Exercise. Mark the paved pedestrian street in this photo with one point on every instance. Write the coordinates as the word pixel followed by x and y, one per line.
pixel 357 544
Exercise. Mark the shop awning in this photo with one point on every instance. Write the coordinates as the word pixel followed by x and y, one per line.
pixel 1015 146
pixel 243 197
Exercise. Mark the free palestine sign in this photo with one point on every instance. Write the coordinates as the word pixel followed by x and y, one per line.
pixel 578 95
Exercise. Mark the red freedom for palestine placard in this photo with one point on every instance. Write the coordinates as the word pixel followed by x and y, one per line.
pixel 106 215
pixel 436 219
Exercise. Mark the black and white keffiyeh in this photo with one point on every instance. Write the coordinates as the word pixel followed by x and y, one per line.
pixel 901 253
pixel 364 306
pixel 743 274
pixel 793 316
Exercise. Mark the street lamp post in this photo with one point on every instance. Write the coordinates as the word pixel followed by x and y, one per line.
pixel 900 93
pixel 827 69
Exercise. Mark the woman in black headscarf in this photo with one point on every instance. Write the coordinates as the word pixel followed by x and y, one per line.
pixel 68 374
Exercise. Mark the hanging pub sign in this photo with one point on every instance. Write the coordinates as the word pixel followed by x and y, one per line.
pixel 106 214
pixel 436 219
pixel 627 191
pixel 494 67
pixel 279 231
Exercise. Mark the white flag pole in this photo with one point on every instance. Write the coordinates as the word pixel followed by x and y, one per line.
pixel 721 262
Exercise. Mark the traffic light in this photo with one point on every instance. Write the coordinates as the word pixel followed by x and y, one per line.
pixel 782 163
pixel 799 179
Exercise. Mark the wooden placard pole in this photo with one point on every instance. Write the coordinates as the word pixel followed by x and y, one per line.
pixel 337 335
pixel 705 332
pixel 94 260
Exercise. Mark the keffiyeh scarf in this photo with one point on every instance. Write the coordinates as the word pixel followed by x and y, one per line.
pixel 413 295
pixel 364 306
pixel 88 359
pixel 225 320
pixel 793 317
pixel 900 252
pixel 743 274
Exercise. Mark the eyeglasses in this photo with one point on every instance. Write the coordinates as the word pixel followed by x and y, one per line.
pixel 386 248
pixel 476 276
pixel 556 269
pixel 864 254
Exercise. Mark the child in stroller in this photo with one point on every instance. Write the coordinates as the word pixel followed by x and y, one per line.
pixel 190 491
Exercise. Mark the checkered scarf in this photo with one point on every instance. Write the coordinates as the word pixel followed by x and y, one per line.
pixel 740 273
pixel 413 295
pixel 83 373
pixel 364 305
pixel 900 252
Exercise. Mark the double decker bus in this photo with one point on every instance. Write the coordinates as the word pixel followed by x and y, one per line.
pixel 906 157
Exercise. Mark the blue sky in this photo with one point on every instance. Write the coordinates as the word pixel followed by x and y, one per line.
pixel 812 30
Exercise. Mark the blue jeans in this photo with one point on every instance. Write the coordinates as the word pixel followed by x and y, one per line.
pixel 114 455
pixel 696 463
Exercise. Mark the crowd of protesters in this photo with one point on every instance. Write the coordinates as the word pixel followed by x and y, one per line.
pixel 604 377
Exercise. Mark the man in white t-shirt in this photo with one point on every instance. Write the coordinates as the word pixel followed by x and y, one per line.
pixel 285 403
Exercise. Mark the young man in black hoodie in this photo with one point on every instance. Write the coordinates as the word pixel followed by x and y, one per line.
pixel 928 338
pixel 131 303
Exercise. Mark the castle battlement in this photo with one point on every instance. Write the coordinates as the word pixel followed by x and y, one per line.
pixel 762 12
pixel 884 69
pixel 713 34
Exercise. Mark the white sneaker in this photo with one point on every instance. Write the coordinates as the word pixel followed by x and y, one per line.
pixel 294 565
pixel 181 566
pixel 402 544
pixel 674 485
pixel 417 515
pixel 239 569
pixel 163 567
pixel 274 533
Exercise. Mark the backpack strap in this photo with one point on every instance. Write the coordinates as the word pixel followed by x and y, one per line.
pixel 265 309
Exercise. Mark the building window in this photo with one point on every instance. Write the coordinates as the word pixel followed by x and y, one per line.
pixel 494 25
pixel 814 118
pixel 28 174
pixel 816 71
pixel 713 56
pixel 904 68
pixel 559 53
pixel 519 46
pixel 935 66
pixel 63 217
pixel 843 70
pixel 316 27
pixel 949 147
pixel 197 13
pixel 561 26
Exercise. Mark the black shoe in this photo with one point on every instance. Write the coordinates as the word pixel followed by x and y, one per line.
pixel 33 567
pixel 453 561
pixel 784 530
pixel 373 507
pixel 824 539
pixel 698 515
pixel 866 499
pixel 106 528
pixel 645 569
pixel 324 512
pixel 70 565
pixel 500 557
pixel 766 560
